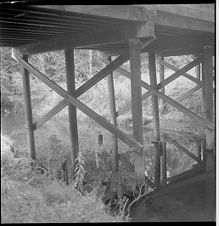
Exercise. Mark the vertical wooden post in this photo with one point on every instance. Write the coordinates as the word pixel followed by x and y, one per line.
pixel 198 70
pixel 28 112
pixel 203 87
pixel 199 149
pixel 162 78
pixel 210 155
pixel 153 82
pixel 115 169
pixel 72 111
pixel 136 99
pixel 164 162
pixel 203 143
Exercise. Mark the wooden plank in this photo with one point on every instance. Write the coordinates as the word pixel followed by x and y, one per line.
pixel 188 93
pixel 155 111
pixel 188 76
pixel 89 38
pixel 179 52
pixel 113 113
pixel 210 148
pixel 124 12
pixel 62 104
pixel 135 67
pixel 103 122
pixel 72 111
pixel 180 147
pixel 132 168
pixel 28 111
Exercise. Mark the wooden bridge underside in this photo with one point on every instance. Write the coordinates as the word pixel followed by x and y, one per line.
pixel 125 32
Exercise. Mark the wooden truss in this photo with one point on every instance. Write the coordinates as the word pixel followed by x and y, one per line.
pixel 136 142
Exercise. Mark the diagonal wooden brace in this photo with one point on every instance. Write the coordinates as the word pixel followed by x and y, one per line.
pixel 165 82
pixel 90 83
pixel 188 76
pixel 180 147
pixel 132 143
pixel 62 104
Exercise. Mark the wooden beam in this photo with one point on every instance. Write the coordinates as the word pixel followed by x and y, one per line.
pixel 103 122
pixel 116 34
pixel 188 76
pixel 210 148
pixel 161 84
pixel 188 93
pixel 155 111
pixel 203 122
pixel 72 111
pixel 102 74
pixel 180 147
pixel 135 67
pixel 62 104
pixel 161 67
pixel 179 52
pixel 28 111
pixel 164 162
pixel 113 113
pixel 124 12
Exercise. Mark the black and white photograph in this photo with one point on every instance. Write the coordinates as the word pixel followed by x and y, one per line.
pixel 108 112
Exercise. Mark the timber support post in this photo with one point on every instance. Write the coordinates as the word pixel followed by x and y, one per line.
pixel 72 111
pixel 155 109
pixel 136 102
pixel 115 168
pixel 164 162
pixel 210 148
pixel 161 67
pixel 28 112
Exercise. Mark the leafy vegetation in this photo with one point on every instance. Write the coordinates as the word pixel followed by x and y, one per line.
pixel 28 196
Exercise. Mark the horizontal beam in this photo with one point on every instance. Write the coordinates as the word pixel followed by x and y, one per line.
pixel 116 34
pixel 50 114
pixel 188 93
pixel 123 12
pixel 180 147
pixel 132 168
pixel 103 122
pixel 179 52
pixel 188 76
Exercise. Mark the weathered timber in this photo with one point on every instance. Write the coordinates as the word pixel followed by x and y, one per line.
pixel 135 67
pixel 72 111
pixel 62 104
pixel 180 147
pixel 188 93
pixel 102 74
pixel 199 153
pixel 210 149
pixel 179 52
pixel 155 111
pixel 162 76
pixel 198 70
pixel 161 84
pixel 28 111
pixel 103 122
pixel 188 76
pixel 124 12
pixel 112 101
pixel 164 162
pixel 203 122
pixel 90 38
